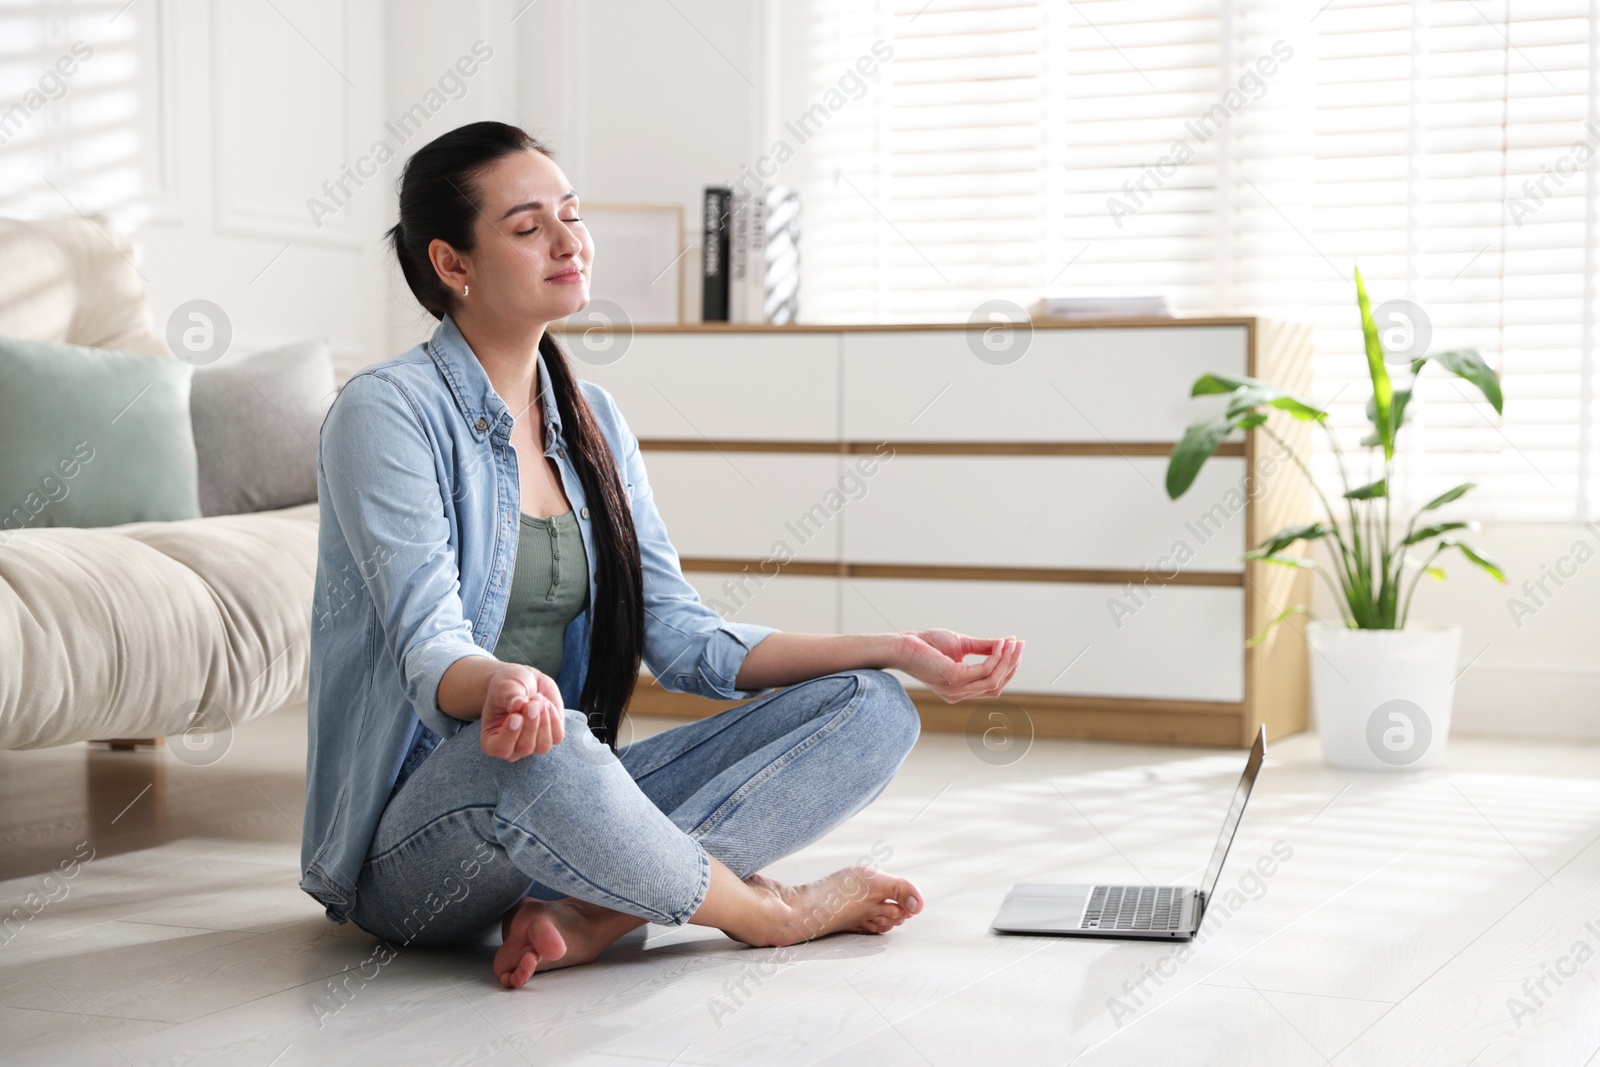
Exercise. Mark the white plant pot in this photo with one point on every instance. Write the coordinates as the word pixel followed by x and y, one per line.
pixel 1382 698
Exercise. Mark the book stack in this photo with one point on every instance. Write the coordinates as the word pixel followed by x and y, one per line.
pixel 750 258
pixel 1101 307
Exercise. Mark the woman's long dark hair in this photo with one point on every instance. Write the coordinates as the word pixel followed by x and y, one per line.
pixel 440 198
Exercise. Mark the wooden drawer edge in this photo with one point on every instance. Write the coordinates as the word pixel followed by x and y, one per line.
pixel 1175 722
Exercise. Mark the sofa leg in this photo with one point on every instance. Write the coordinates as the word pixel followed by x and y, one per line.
pixel 128 744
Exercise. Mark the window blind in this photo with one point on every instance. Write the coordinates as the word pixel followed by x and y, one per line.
pixel 77 102
pixel 1449 144
pixel 1243 156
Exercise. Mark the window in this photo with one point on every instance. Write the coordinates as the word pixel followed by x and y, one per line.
pixel 1240 155
pixel 81 99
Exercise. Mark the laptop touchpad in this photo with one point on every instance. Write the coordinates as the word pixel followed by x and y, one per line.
pixel 1043 906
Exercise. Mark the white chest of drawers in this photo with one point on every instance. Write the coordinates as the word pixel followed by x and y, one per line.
pixel 865 479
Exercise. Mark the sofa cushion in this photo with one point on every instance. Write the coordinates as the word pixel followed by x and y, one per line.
pixel 93 437
pixel 74 279
pixel 146 629
pixel 256 422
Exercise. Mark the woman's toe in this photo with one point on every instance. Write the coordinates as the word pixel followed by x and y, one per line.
pixel 547 940
pixel 906 895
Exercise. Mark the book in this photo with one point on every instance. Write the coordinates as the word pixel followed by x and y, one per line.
pixel 778 283
pixel 743 306
pixel 761 228
pixel 1101 307
pixel 714 254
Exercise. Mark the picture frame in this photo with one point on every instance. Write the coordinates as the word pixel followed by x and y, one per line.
pixel 639 260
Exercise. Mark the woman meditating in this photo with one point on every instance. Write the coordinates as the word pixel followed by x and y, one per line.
pixel 491 572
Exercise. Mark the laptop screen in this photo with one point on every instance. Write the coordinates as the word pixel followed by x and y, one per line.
pixel 1235 812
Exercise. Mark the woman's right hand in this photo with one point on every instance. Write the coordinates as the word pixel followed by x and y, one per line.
pixel 522 713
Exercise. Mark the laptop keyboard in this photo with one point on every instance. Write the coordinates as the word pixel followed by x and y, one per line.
pixel 1133 907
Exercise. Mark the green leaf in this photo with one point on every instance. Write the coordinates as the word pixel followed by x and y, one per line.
pixel 1382 390
pixel 1469 364
pixel 1251 397
pixel 1436 529
pixel 1253 392
pixel 1475 556
pixel 1445 498
pixel 1281 540
pixel 1303 410
pixel 1435 572
pixel 1190 454
pixel 1398 413
pixel 1298 609
pixel 1250 422
pixel 1370 491
pixel 1208 384
pixel 1283 561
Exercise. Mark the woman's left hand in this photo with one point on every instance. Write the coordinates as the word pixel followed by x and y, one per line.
pixel 935 658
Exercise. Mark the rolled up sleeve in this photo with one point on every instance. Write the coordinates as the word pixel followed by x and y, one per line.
pixel 688 647
pixel 381 474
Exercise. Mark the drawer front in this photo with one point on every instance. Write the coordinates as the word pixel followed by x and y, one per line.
pixel 1048 511
pixel 799 603
pixel 719 386
pixel 1072 385
pixel 1182 643
pixel 751 505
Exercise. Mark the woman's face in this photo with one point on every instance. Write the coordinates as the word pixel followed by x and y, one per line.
pixel 533 254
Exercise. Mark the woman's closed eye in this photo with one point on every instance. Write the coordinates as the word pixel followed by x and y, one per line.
pixel 524 233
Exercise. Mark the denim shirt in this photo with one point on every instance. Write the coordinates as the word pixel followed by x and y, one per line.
pixel 420 504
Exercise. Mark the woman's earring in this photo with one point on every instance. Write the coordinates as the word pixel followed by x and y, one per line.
pixel 464 289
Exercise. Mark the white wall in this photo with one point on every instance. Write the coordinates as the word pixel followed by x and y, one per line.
pixel 423 43
pixel 647 102
pixel 205 128
pixel 208 128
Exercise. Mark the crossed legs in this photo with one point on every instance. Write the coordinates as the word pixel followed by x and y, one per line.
pixel 674 831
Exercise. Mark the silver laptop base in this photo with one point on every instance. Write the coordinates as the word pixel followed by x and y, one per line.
pixel 1160 913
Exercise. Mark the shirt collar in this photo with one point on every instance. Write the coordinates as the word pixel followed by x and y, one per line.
pixel 473 391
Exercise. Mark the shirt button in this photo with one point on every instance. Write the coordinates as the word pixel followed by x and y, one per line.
pixel 584 512
pixel 561 452
pixel 483 424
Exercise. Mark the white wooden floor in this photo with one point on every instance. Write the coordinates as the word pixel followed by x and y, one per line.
pixel 1444 917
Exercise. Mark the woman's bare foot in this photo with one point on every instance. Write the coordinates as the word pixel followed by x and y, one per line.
pixel 550 934
pixel 861 900
pixel 761 881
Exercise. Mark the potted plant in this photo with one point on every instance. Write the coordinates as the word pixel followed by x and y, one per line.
pixel 1381 687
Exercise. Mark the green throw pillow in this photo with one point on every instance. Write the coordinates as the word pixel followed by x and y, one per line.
pixel 93 437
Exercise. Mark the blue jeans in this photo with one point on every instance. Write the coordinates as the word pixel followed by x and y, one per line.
pixel 468 835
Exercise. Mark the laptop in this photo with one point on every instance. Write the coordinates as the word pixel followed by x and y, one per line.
pixel 1136 912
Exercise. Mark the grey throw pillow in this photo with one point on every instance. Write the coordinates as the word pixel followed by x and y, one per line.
pixel 92 437
pixel 256 422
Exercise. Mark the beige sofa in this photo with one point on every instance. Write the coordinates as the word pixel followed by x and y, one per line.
pixel 143 630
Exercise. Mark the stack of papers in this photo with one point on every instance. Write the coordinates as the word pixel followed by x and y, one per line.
pixel 1100 307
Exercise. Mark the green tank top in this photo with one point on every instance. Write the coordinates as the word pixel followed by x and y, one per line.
pixel 549 587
